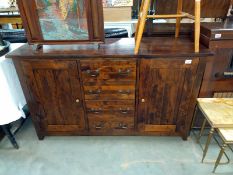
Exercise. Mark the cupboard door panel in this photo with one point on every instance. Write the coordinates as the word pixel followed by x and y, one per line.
pixel 161 86
pixel 57 87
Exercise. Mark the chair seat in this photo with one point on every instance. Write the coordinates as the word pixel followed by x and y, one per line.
pixel 218 111
pixel 226 134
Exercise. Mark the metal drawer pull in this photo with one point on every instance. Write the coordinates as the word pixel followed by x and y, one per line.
pixel 122 126
pixel 127 72
pixel 94 73
pixel 96 92
pixel 124 91
pixel 99 126
pixel 96 111
pixel 124 111
pixel 224 75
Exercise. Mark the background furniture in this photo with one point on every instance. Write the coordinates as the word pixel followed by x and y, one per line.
pixel 143 15
pixel 11 16
pixel 209 8
pixel 11 94
pixel 111 91
pixel 227 138
pixel 218 113
pixel 218 76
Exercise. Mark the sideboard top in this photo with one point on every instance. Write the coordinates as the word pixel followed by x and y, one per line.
pixel 156 47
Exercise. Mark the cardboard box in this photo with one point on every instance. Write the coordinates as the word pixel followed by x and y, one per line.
pixel 117 14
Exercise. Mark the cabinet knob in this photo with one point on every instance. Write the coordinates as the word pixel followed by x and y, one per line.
pixel 77 100
pixel 143 100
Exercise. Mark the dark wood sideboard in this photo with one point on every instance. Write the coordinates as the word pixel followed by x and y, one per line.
pixel 108 90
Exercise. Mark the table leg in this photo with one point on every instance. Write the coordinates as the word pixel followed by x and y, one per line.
pixel 201 131
pixel 11 137
pixel 219 156
pixel 207 143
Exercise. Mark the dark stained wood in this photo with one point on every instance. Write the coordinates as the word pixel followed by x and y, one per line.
pixel 164 91
pixel 56 88
pixel 209 8
pixel 110 82
pixel 159 47
pixel 108 71
pixel 214 80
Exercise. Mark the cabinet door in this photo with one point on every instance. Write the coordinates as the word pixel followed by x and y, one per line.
pixel 165 88
pixel 55 88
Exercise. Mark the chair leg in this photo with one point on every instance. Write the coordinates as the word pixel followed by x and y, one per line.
pixel 219 157
pixel 197 25
pixel 178 20
pixel 11 137
pixel 139 20
pixel 141 25
pixel 207 143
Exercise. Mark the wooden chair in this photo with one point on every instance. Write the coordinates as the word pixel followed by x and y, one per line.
pixel 143 15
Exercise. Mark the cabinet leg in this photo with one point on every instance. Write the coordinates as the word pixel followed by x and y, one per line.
pixel 10 136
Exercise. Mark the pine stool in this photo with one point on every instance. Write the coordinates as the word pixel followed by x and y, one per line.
pixel 227 137
pixel 143 15
pixel 218 112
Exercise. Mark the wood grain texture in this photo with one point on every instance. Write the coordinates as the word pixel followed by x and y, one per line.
pixel 218 111
pixel 165 89
pixel 57 87
pixel 55 77
pixel 116 49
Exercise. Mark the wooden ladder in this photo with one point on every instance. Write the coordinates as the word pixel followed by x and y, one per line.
pixel 143 15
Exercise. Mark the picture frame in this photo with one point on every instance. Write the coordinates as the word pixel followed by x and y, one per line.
pixel 62 21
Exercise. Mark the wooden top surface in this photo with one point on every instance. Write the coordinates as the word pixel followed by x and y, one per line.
pixel 226 134
pixel 218 111
pixel 157 47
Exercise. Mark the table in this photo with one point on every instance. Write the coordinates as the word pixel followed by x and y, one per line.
pixel 219 114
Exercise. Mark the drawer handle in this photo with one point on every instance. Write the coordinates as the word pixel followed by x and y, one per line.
pixel 122 126
pixel 124 111
pixel 96 111
pixel 94 73
pixel 124 91
pixel 127 72
pixel 100 125
pixel 224 75
pixel 96 92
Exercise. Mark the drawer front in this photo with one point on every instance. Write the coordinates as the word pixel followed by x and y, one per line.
pixel 126 92
pixel 110 105
pixel 104 124
pixel 108 70
pixel 110 109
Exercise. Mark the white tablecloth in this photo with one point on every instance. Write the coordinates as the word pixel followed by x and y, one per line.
pixel 11 95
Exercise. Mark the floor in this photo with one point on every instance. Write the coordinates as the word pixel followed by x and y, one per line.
pixel 106 155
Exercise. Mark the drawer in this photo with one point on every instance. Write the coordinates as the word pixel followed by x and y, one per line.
pixel 110 105
pixel 110 124
pixel 110 109
pixel 108 70
pixel 105 92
